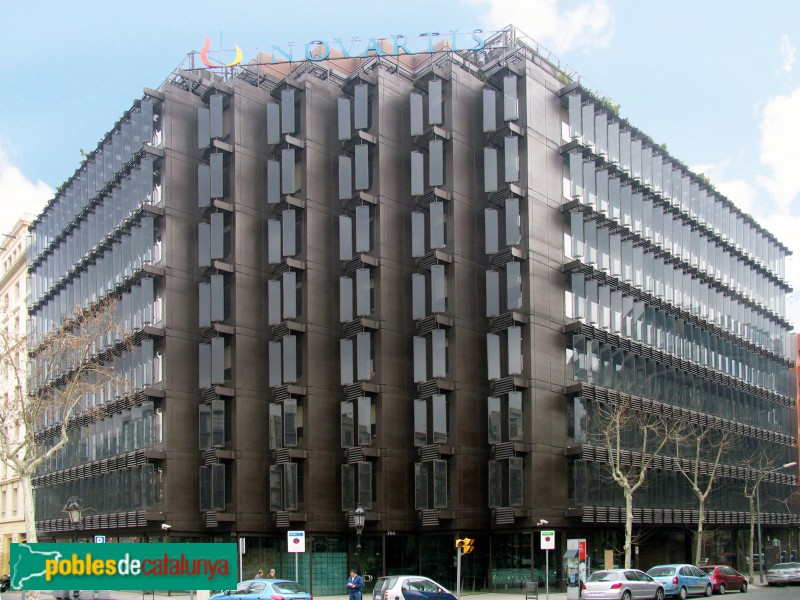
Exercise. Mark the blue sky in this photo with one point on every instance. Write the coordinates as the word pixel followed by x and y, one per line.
pixel 716 81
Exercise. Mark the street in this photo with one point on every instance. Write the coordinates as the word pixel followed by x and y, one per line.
pixel 755 592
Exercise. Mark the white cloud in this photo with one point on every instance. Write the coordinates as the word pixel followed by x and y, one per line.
pixel 587 25
pixel 18 195
pixel 788 54
pixel 780 128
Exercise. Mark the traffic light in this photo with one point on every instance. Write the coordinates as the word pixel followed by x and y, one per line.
pixel 466 545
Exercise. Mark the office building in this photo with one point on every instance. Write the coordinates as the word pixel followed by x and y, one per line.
pixel 400 282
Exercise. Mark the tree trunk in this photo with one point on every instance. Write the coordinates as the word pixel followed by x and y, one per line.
pixel 698 543
pixel 30 520
pixel 752 537
pixel 628 526
pixel 28 507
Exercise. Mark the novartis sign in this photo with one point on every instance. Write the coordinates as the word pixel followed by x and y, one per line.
pixel 396 45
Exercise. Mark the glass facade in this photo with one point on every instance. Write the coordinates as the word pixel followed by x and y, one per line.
pixel 97 248
pixel 681 301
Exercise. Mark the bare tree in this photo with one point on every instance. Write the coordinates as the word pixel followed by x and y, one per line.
pixel 759 464
pixel 633 433
pixel 703 442
pixel 64 369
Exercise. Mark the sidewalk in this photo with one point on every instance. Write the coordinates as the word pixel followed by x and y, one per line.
pixel 182 595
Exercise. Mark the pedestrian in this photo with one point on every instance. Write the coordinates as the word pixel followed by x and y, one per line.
pixel 272 574
pixel 354 585
pixel 259 574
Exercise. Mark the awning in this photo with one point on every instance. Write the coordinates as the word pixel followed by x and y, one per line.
pixel 570 554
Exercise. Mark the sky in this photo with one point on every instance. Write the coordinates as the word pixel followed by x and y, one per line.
pixel 716 81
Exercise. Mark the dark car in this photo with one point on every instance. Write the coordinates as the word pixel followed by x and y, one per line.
pixel 265 589
pixel 409 587
pixel 725 578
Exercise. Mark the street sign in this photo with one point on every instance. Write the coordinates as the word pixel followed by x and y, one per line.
pixel 297 541
pixel 548 540
pixel 99 539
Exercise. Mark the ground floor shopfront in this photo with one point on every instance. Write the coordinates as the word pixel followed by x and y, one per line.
pixel 501 561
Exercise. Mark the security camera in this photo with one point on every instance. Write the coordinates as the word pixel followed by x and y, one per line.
pixel 166 526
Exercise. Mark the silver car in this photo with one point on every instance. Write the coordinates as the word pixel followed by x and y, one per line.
pixel 783 573
pixel 621 584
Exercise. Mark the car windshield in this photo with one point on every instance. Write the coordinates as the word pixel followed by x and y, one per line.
pixel 782 567
pixel 603 576
pixel 288 587
pixel 661 572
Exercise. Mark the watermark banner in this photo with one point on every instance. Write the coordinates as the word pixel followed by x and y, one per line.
pixel 123 566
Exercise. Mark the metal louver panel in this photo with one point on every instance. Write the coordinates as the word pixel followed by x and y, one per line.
pixel 504 516
pixel 503 451
pixel 355 455
pixel 282 519
pixel 429 518
pixel 429 453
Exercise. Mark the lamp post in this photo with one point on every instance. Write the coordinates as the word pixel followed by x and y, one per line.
pixel 359 516
pixel 758 516
pixel 74 510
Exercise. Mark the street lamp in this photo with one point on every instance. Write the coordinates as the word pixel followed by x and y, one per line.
pixel 74 510
pixel 758 516
pixel 359 516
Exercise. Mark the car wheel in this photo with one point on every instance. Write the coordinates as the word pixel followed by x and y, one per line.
pixel 626 595
pixel 682 593
pixel 659 594
pixel 721 588
pixel 709 591
pixel 743 589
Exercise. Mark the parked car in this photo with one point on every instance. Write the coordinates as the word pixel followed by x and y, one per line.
pixel 265 589
pixel 725 578
pixel 682 580
pixel 783 573
pixel 621 584
pixel 409 587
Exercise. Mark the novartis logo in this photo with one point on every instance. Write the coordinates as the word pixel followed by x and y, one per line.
pixel 206 62
pixel 338 48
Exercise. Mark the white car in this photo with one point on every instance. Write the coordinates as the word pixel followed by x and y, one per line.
pixel 409 587
pixel 783 573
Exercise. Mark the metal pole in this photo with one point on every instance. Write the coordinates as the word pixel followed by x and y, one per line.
pixel 547 574
pixel 241 558
pixel 458 573
pixel 758 517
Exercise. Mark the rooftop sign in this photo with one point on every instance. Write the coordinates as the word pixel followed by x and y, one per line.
pixel 396 45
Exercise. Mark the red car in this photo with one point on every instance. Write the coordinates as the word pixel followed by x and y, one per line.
pixel 724 578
